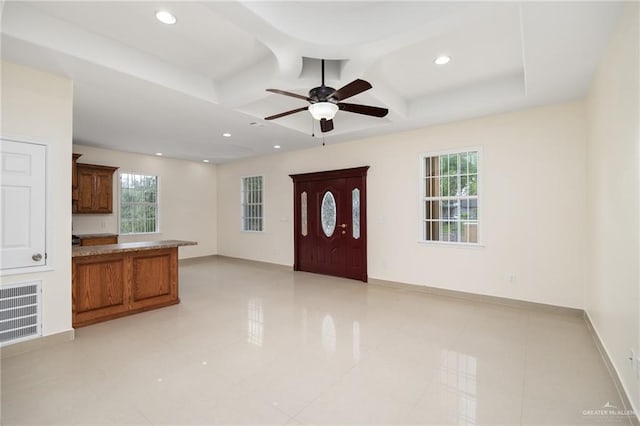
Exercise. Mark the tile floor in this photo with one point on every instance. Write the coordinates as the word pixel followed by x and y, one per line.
pixel 259 344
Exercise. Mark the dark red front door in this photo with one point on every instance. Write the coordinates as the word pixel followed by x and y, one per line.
pixel 330 223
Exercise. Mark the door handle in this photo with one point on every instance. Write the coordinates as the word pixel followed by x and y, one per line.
pixel 343 226
pixel 36 257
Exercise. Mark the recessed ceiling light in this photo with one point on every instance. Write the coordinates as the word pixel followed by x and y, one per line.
pixel 441 60
pixel 226 135
pixel 165 17
pixel 159 154
pixel 205 161
pixel 276 146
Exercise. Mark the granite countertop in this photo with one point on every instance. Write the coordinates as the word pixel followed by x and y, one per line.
pixel 95 235
pixel 78 251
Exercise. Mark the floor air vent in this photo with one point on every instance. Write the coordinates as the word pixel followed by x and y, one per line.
pixel 19 312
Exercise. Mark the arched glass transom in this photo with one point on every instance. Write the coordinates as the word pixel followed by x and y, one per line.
pixel 328 214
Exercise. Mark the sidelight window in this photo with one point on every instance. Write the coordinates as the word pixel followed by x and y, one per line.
pixel 450 197
pixel 252 204
pixel 138 204
pixel 303 214
pixel 355 213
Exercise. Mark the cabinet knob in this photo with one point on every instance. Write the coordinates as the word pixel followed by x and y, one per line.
pixel 36 257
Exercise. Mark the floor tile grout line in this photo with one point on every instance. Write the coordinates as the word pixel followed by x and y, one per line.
pixel 331 386
pixel 524 367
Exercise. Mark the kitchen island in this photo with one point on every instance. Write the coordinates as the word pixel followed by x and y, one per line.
pixel 114 280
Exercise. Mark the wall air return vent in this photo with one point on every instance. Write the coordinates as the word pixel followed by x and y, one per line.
pixel 20 308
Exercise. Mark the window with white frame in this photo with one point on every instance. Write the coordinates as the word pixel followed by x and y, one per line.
pixel 450 197
pixel 138 204
pixel 252 204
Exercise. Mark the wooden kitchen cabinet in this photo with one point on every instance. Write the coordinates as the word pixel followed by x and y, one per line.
pixel 98 239
pixel 74 182
pixel 154 278
pixel 99 288
pixel 107 286
pixel 95 188
pixel 74 176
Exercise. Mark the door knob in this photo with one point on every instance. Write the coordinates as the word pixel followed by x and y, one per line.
pixel 36 257
pixel 343 226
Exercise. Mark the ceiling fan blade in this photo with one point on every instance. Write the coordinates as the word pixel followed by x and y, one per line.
pixel 326 125
pixel 364 109
pixel 351 89
pixel 282 114
pixel 293 95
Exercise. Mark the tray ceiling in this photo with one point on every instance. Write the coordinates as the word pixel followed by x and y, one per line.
pixel 146 87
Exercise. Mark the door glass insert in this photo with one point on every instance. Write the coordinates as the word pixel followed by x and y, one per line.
pixel 355 215
pixel 328 213
pixel 303 214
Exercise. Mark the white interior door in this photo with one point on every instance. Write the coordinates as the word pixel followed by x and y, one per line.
pixel 22 205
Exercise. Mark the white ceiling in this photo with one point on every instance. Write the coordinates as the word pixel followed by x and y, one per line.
pixel 146 87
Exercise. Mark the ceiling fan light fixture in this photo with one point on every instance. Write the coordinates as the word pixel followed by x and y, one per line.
pixel 326 110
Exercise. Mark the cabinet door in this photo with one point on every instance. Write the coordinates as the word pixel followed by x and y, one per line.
pixel 154 277
pixel 99 288
pixel 74 177
pixel 85 190
pixel 103 197
pixel 95 188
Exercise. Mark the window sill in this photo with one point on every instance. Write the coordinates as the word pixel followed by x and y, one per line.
pixel 472 246
pixel 252 232
pixel 138 233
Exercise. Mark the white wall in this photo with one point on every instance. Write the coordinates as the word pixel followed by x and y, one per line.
pixel 612 293
pixel 534 201
pixel 38 107
pixel 187 196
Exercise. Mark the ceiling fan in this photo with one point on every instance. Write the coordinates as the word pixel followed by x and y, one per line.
pixel 326 101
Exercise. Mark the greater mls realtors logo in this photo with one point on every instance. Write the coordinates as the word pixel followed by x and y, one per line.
pixel 608 410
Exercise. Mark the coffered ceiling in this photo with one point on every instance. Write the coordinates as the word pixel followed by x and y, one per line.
pixel 146 87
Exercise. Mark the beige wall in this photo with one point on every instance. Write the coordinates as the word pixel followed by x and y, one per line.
pixel 187 199
pixel 533 197
pixel 612 293
pixel 38 107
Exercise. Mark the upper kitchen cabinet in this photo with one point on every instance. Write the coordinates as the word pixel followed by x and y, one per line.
pixel 74 182
pixel 95 188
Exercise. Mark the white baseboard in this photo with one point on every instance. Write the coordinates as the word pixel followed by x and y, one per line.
pixel 475 297
pixel 34 344
pixel 613 372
